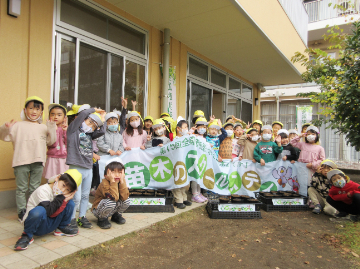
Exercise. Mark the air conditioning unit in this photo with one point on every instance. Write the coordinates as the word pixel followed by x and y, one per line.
pixel 347 8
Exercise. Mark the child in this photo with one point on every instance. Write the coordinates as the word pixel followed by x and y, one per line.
pixel 181 200
pixel 320 186
pixel 159 138
pixel 200 128
pixel 112 195
pixel 311 153
pixel 86 127
pixel 225 150
pixel 288 153
pixel 134 136
pixel 49 208
pixel 276 126
pixel 236 148
pixel 171 127
pixel 29 139
pixel 213 137
pixel 148 122
pixel 248 142
pixel 344 194
pixel 112 142
pixel 257 124
pixel 292 134
pixel 55 163
pixel 265 150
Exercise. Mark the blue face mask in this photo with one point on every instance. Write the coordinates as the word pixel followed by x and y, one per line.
pixel 113 128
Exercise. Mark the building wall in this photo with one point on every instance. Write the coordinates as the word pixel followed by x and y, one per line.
pixel 26 65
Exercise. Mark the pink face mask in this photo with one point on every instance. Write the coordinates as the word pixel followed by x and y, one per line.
pixel 135 124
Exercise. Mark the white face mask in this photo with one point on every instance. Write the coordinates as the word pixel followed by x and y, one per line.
pixel 201 131
pixel 184 132
pixel 86 128
pixel 135 124
pixel 255 138
pixel 311 138
pixel 56 190
pixel 266 136
pixel 229 132
pixel 159 132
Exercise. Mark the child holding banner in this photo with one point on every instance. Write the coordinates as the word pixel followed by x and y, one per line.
pixel 213 137
pixel 288 153
pixel 134 135
pixel 159 138
pixel 311 153
pixel 249 142
pixel 236 148
pixel 265 150
pixel 225 150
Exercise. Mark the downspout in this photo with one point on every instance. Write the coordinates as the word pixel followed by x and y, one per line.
pixel 277 105
pixel 165 81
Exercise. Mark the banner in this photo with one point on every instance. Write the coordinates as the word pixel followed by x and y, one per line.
pixel 172 92
pixel 303 115
pixel 191 159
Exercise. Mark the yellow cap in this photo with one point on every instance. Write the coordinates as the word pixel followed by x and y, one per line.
pixel 277 122
pixel 75 175
pixel 305 124
pixel 214 124
pixel 258 122
pixel 251 129
pixel 51 106
pixel 158 123
pixel 201 121
pixel 165 114
pixel 199 113
pixel 228 123
pixel 33 98
pixel 149 118
pixel 329 163
pixel 75 108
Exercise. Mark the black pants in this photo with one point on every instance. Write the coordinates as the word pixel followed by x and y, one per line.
pixel 353 208
pixel 96 177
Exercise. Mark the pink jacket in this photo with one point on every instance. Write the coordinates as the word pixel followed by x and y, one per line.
pixel 58 149
pixel 310 153
pixel 134 141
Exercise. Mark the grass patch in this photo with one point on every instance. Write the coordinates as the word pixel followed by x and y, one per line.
pixel 349 234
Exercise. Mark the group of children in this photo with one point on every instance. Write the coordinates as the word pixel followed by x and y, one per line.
pixel 74 140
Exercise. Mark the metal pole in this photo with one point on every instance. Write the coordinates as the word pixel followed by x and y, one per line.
pixel 165 81
pixel 277 105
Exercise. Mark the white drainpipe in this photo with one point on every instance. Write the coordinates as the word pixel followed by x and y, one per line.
pixel 165 81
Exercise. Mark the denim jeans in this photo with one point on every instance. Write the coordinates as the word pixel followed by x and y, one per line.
pixel 82 194
pixel 38 223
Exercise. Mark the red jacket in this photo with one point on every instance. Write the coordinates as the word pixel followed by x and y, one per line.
pixel 340 194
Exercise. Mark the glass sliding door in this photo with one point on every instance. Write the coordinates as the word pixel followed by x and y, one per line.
pixel 67 72
pixel 116 82
pixel 92 76
pixel 135 85
pixel 200 99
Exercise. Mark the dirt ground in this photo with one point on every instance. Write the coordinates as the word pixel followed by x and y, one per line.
pixel 193 240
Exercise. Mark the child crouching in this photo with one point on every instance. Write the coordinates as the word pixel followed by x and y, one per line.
pixel 50 208
pixel 112 195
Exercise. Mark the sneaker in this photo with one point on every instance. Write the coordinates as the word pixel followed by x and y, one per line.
pixel 317 209
pixel 117 218
pixel 104 223
pixel 21 214
pixel 340 215
pixel 23 242
pixel 180 205
pixel 187 203
pixel 66 231
pixel 203 197
pixel 83 222
pixel 197 199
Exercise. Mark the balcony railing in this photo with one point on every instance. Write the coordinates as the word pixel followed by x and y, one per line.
pixel 296 12
pixel 320 10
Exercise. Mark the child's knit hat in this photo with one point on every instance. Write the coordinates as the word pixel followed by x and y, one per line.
pixel 111 115
pixel 266 127
pixel 334 172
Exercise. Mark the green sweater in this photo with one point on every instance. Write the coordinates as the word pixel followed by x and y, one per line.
pixel 266 151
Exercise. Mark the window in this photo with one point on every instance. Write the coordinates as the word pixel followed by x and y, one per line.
pixel 246 92
pixel 67 72
pixel 85 18
pixel 198 69
pixel 234 86
pixel 135 85
pixel 218 78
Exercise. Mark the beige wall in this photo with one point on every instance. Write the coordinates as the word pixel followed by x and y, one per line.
pixel 26 59
pixel 25 67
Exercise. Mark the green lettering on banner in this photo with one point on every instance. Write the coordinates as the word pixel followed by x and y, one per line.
pixel 137 175
pixel 162 150
pixel 234 182
pixel 161 169
pixel 172 146
pixel 191 162
pixel 221 180
pixel 202 165
pixel 268 186
pixel 178 145
pixel 192 140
